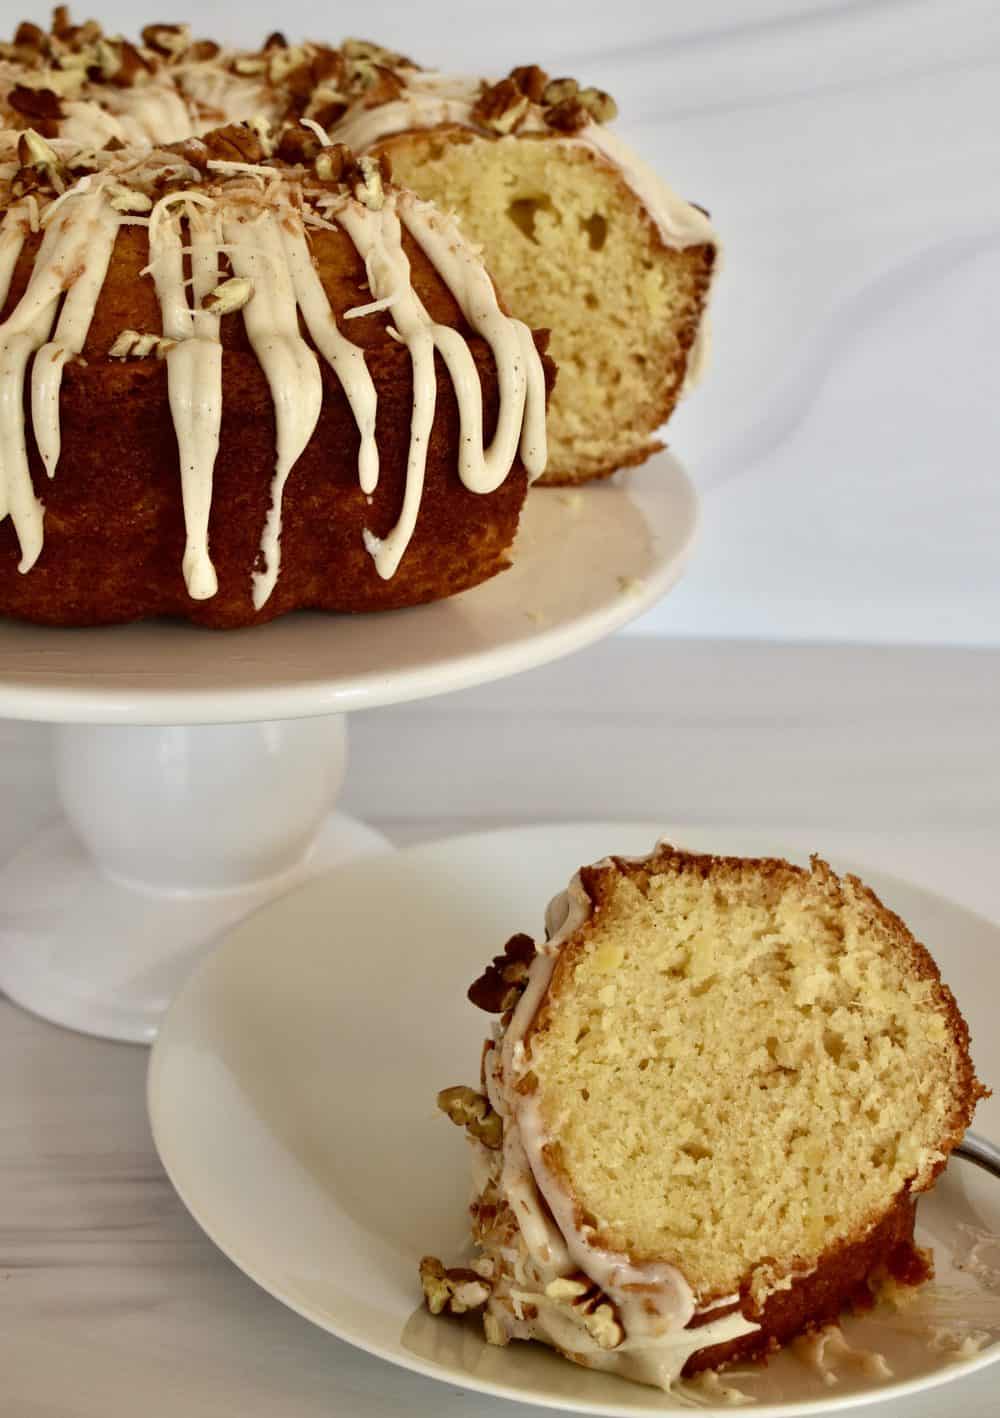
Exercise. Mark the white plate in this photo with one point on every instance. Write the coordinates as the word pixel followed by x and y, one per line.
pixel 585 563
pixel 292 1087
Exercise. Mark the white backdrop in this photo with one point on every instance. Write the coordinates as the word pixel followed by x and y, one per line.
pixel 847 437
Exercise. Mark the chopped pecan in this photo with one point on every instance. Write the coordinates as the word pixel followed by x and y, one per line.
pixel 275 40
pixel 600 106
pixel 31 36
pixel 133 66
pixel 298 145
pixel 327 64
pixel 501 107
pixel 494 1330
pixel 367 185
pixel 282 62
pixel 34 151
pixel 229 296
pixel 62 25
pixel 201 51
pixel 193 151
pixel 236 142
pixel 571 108
pixel 499 986
pixel 456 1291
pixel 167 40
pixel 569 116
pixel 471 1110
pixel 558 90
pixel 383 87
pixel 531 80
pixel 375 53
pixel 107 62
pixel 326 110
pixel 590 1304
pixel 40 104
pixel 127 199
pixel 331 163
pixel 130 344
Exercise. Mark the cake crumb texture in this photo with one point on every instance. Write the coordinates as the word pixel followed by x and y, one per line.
pixel 743 1065
pixel 574 251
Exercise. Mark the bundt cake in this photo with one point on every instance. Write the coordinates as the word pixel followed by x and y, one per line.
pixel 714 1095
pixel 219 364
pixel 582 238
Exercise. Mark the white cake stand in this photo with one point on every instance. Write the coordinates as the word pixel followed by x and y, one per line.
pixel 198 771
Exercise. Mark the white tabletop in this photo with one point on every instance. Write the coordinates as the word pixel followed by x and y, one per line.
pixel 112 1303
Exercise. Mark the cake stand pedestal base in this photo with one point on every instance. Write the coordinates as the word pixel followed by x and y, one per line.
pixel 171 836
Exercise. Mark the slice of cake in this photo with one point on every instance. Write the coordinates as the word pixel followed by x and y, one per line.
pixel 583 238
pixel 712 1099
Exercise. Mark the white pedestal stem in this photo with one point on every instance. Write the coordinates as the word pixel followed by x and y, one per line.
pixel 170 836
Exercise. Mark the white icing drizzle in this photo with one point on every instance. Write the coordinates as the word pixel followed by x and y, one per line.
pixel 346 360
pixel 253 219
pixel 16 224
pixel 653 1301
pixel 67 256
pixel 194 369
pixel 378 237
pixel 70 333
pixel 257 252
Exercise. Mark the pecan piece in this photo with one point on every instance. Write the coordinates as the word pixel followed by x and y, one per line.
pixel 29 36
pixel 132 65
pixel 455 1292
pixel 471 1110
pixel 62 25
pixel 501 107
pixel 367 183
pixel 569 116
pixel 229 296
pixel 500 985
pixel 531 80
pixel 130 344
pixel 374 53
pixel 236 142
pixel 600 106
pixel 40 104
pixel 590 1304
pixel 201 51
pixel 298 145
pixel 558 90
pixel 166 40
pixel 331 163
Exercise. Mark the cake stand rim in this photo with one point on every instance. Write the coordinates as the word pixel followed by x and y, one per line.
pixel 661 490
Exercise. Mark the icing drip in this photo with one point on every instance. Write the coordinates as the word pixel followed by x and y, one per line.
pixel 345 359
pixel 194 370
pixel 378 237
pixel 70 333
pixel 67 256
pixel 257 252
